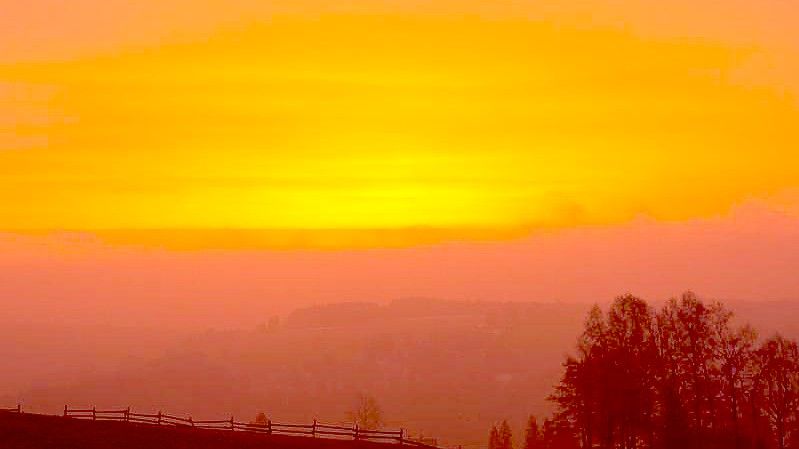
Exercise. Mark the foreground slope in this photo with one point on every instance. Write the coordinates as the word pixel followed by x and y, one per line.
pixel 32 431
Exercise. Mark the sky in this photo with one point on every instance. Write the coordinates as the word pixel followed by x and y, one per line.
pixel 156 153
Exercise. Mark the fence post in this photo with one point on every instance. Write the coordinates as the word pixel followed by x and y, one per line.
pixel 232 427
pixel 127 414
pixel 313 429
pixel 94 413
pixel 65 411
pixel 269 427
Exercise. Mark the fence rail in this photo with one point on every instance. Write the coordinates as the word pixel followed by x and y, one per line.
pixel 17 409
pixel 313 430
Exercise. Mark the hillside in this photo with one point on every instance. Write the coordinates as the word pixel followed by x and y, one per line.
pixel 31 431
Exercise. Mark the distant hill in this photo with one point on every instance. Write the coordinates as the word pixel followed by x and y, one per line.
pixel 438 368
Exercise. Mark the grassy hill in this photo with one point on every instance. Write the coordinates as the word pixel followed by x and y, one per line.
pixel 32 431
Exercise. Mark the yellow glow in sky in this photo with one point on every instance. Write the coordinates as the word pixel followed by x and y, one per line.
pixel 339 120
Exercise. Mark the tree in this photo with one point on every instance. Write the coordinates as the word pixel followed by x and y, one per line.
pixel 505 435
pixel 699 371
pixel 630 366
pixel 672 422
pixel 532 435
pixel 607 393
pixel 736 359
pixel 683 377
pixel 500 437
pixel 261 419
pixel 493 438
pixel 778 381
pixel 557 433
pixel 581 396
pixel 367 413
pixel 688 380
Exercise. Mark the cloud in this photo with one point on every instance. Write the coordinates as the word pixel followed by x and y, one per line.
pixel 358 122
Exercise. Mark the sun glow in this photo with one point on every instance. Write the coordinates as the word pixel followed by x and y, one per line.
pixel 370 122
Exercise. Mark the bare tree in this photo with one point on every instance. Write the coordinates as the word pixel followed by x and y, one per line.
pixel 367 413
pixel 779 380
pixel 261 419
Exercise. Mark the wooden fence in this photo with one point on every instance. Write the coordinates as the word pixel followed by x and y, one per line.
pixel 314 430
pixel 17 409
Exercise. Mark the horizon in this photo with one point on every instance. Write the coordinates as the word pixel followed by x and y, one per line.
pixel 750 254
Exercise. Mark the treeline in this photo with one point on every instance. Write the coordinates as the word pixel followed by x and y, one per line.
pixel 681 377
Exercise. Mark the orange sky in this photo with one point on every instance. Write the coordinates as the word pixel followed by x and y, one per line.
pixel 750 255
pixel 376 115
pixel 295 125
